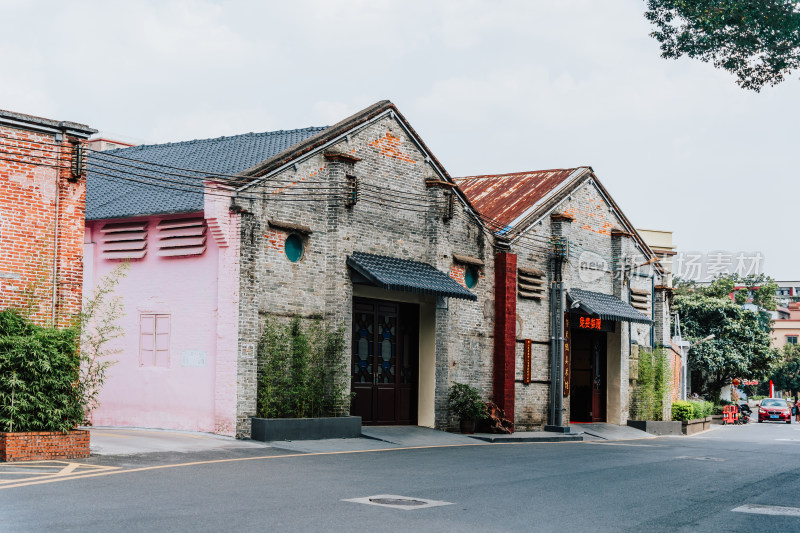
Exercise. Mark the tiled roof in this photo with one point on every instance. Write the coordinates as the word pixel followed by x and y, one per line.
pixel 137 181
pixel 606 306
pixel 396 274
pixel 503 198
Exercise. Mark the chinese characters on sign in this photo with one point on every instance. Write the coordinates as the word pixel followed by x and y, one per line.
pixel 526 368
pixel 589 323
pixel 566 355
pixel 697 266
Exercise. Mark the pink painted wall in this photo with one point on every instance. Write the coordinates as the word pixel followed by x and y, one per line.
pixel 191 391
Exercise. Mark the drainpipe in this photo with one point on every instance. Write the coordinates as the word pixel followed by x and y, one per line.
pixel 556 347
pixel 54 297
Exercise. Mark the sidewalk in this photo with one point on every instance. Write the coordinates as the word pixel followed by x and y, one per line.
pixel 132 441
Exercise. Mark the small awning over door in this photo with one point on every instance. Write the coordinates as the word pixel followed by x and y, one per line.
pixel 403 275
pixel 605 306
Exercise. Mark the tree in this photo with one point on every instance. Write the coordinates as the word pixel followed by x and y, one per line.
pixel 787 374
pixel 757 40
pixel 758 289
pixel 741 347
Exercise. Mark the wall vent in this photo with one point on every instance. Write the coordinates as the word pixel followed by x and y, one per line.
pixel 181 237
pixel 124 240
pixel 530 283
pixel 640 300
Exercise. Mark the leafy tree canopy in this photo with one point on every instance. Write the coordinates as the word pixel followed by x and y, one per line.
pixel 787 374
pixel 757 40
pixel 741 347
pixel 759 289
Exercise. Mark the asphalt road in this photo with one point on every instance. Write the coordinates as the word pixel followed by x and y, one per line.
pixel 660 484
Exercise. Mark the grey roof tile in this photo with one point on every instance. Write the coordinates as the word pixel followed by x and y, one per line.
pixel 606 306
pixel 143 180
pixel 396 274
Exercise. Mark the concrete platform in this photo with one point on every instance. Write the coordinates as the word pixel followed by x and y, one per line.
pixel 530 436
pixel 602 431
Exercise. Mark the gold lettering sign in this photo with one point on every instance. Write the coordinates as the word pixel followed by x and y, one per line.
pixel 567 341
pixel 526 365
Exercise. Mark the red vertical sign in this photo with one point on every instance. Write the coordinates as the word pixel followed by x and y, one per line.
pixel 526 368
pixel 566 354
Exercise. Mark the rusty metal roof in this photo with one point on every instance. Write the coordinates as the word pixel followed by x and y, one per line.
pixel 507 198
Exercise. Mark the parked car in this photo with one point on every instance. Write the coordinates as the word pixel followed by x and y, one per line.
pixel 774 410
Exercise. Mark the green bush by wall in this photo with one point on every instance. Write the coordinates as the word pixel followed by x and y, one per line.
pixel 39 373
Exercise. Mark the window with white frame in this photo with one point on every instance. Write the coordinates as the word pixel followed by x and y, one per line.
pixel 791 339
pixel 154 333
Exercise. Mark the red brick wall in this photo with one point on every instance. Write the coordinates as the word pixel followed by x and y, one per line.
pixel 32 171
pixel 41 445
pixel 505 332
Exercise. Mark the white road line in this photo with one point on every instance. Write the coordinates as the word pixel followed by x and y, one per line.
pixel 775 510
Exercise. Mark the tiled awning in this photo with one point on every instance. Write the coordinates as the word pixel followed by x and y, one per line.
pixel 605 306
pixel 403 275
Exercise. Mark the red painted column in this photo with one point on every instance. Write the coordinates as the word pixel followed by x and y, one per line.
pixel 505 330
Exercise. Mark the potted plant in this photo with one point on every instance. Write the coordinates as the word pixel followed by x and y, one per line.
pixel 464 401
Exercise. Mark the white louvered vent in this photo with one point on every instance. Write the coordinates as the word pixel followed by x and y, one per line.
pixel 640 300
pixel 180 237
pixel 124 240
pixel 530 283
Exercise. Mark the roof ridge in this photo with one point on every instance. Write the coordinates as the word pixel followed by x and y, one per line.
pixel 507 174
pixel 222 137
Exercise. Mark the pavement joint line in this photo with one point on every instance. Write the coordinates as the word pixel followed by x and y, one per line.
pixel 119 470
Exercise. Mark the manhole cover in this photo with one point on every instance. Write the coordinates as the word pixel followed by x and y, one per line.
pixel 397 502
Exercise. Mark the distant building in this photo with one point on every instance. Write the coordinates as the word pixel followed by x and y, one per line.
pixel 787 330
pixel 101 144
pixel 42 202
pixel 660 242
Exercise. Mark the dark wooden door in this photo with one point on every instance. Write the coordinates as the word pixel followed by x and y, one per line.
pixel 599 377
pixel 384 361
pixel 587 402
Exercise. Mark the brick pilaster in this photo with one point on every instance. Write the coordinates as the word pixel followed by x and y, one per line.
pixel 505 325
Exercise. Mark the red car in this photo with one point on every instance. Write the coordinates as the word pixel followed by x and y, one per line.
pixel 774 410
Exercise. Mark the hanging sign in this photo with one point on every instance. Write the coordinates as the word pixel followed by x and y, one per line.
pixel 526 362
pixel 567 341
pixel 586 322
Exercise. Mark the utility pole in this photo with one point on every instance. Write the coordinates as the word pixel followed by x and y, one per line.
pixel 558 254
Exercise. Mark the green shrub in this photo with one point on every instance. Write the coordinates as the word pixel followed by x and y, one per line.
pixel 682 410
pixel 39 374
pixel 464 401
pixel 302 371
pixel 652 386
pixel 701 409
pixel 718 409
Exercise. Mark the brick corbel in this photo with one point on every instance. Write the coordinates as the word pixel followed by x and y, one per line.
pixel 217 211
pixel 561 217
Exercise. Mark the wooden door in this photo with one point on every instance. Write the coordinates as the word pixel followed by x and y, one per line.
pixel 384 361
pixel 599 381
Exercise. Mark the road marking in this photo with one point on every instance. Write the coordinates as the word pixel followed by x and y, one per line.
pixel 49 471
pixel 774 510
pixel 626 444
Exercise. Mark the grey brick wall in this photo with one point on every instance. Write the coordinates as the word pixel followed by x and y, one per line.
pixel 396 215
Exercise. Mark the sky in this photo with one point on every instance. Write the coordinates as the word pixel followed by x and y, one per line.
pixel 491 87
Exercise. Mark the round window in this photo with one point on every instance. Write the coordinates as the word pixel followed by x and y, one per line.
pixel 471 276
pixel 294 248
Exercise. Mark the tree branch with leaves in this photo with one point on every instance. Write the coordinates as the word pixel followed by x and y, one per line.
pixel 756 40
